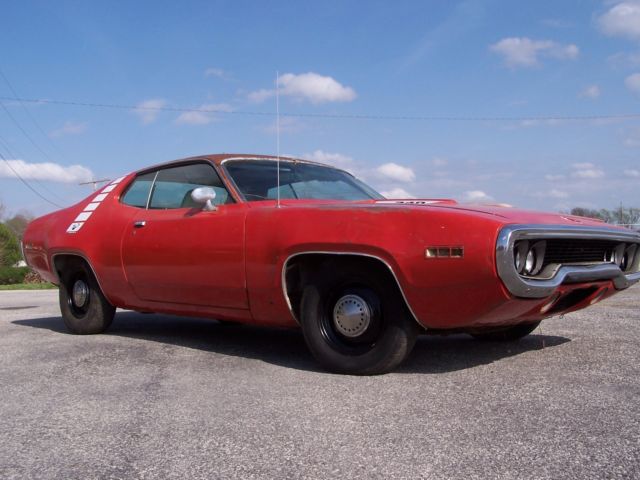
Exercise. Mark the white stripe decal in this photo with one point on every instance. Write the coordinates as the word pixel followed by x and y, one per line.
pixel 91 207
pixel 74 227
pixel 117 180
pixel 100 197
pixel 83 216
pixel 108 188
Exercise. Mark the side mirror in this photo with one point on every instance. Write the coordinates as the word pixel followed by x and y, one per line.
pixel 203 196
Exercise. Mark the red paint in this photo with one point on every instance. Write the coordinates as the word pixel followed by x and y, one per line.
pixel 228 263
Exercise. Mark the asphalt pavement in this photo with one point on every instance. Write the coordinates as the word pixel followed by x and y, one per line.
pixel 169 397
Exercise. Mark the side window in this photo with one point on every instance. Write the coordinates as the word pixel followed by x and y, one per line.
pixel 173 186
pixel 138 192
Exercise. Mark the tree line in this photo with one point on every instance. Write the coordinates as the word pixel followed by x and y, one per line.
pixel 620 216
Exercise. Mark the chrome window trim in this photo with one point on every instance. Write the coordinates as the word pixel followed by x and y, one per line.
pixel 531 288
pixel 356 254
pixel 153 184
pixel 165 166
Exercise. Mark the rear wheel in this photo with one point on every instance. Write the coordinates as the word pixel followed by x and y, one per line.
pixel 356 323
pixel 506 334
pixel 84 308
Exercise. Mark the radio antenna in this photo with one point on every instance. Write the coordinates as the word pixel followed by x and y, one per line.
pixel 278 135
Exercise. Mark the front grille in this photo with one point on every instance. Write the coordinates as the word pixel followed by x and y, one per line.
pixel 566 251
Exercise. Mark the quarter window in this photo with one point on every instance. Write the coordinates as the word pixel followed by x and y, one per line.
pixel 138 193
pixel 171 187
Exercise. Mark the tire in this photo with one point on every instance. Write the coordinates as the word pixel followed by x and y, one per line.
pixel 87 312
pixel 506 334
pixel 356 323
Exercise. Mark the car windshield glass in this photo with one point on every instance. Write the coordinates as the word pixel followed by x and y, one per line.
pixel 258 180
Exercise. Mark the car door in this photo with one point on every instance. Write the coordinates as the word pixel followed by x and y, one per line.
pixel 174 250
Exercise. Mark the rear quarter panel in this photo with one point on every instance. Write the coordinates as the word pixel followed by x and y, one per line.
pixel 98 239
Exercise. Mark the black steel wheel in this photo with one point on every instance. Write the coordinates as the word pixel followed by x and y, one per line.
pixel 84 308
pixel 505 334
pixel 356 323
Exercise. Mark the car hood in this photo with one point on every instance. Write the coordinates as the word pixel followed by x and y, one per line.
pixel 505 213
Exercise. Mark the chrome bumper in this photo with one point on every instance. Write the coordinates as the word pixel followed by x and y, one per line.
pixel 531 288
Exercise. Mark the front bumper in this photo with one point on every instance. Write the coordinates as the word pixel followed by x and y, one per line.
pixel 523 287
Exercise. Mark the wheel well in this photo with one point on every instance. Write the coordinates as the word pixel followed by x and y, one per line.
pixel 299 272
pixel 65 263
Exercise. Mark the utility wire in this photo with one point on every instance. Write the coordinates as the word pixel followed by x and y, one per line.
pixel 438 118
pixel 24 132
pixel 27 183
pixel 13 155
pixel 26 110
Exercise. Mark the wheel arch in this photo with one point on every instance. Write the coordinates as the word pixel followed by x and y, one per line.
pixel 61 260
pixel 293 278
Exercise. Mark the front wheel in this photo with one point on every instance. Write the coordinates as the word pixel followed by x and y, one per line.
pixel 84 308
pixel 356 323
pixel 506 334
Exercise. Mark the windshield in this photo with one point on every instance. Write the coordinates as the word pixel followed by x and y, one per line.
pixel 258 180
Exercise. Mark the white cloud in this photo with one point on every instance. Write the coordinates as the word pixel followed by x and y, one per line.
pixel 336 159
pixel 69 128
pixel 397 193
pixel 216 72
pixel 393 171
pixel 203 115
pixel 477 196
pixel 553 177
pixel 309 86
pixel 439 162
pixel 586 171
pixel 583 165
pixel 555 193
pixel 633 82
pixel 623 19
pixel 261 95
pixel 50 172
pixel 557 23
pixel 623 60
pixel 287 125
pixel 591 91
pixel 633 138
pixel 525 52
pixel 149 110
pixel 632 172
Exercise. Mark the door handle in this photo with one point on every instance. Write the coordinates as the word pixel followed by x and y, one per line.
pixel 139 223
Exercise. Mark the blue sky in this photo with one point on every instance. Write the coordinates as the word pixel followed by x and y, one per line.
pixel 479 60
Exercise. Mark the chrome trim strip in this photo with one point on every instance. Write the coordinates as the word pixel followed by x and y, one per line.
pixel 357 254
pixel 531 288
pixel 153 184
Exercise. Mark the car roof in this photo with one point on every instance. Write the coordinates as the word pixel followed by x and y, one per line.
pixel 218 158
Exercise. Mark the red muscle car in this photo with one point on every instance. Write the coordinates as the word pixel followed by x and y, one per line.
pixel 292 243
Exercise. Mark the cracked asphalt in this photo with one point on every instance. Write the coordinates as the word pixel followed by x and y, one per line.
pixel 168 397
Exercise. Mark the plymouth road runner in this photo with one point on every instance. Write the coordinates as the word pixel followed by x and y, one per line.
pixel 292 243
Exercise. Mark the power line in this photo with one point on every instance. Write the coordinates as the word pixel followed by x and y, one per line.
pixel 27 183
pixel 26 110
pixel 24 132
pixel 5 144
pixel 453 118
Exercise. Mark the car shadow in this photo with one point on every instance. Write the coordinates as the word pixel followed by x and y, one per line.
pixel 286 347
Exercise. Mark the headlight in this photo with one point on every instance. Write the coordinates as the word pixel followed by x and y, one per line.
pixel 520 250
pixel 530 262
pixel 528 257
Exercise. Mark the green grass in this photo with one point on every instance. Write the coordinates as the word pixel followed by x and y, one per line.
pixel 28 286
